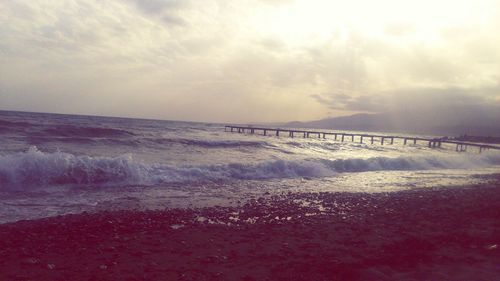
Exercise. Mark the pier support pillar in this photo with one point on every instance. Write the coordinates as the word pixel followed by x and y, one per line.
pixel 431 142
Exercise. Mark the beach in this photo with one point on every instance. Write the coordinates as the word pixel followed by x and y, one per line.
pixel 277 140
pixel 446 233
pixel 99 198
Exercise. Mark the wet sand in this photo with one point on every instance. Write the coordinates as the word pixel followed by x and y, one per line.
pixel 448 233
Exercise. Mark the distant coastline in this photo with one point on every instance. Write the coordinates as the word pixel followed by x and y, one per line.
pixel 409 123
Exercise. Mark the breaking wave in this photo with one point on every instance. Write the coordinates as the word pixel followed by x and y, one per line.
pixel 37 168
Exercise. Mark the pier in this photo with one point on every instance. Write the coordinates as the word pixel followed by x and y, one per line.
pixel 460 146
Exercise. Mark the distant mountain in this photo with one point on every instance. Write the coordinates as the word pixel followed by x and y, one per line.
pixel 434 123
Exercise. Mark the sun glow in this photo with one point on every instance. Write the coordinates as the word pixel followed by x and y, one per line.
pixel 303 22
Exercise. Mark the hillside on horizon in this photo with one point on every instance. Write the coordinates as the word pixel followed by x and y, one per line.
pixel 454 124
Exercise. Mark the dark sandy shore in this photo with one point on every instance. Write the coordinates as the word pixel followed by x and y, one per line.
pixel 435 234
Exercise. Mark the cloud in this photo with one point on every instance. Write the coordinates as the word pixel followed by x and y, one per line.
pixel 362 103
pixel 169 11
pixel 418 101
pixel 159 6
pixel 257 60
pixel 277 2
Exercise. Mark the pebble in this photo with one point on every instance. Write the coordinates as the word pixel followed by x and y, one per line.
pixel 31 261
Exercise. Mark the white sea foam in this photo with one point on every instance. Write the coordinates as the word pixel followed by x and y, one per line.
pixel 37 168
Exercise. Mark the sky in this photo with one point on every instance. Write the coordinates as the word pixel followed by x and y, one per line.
pixel 248 60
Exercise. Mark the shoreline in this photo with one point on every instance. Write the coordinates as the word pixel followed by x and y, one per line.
pixel 449 233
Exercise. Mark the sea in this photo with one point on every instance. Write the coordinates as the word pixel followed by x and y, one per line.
pixel 54 164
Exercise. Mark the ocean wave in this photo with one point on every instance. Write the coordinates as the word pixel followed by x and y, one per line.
pixel 323 145
pixel 44 130
pixel 41 140
pixel 209 143
pixel 37 168
pixel 96 139
pixel 13 127
pixel 335 146
pixel 82 131
pixel 6 124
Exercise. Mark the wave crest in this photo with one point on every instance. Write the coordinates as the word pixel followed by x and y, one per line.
pixel 38 168
pixel 33 168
